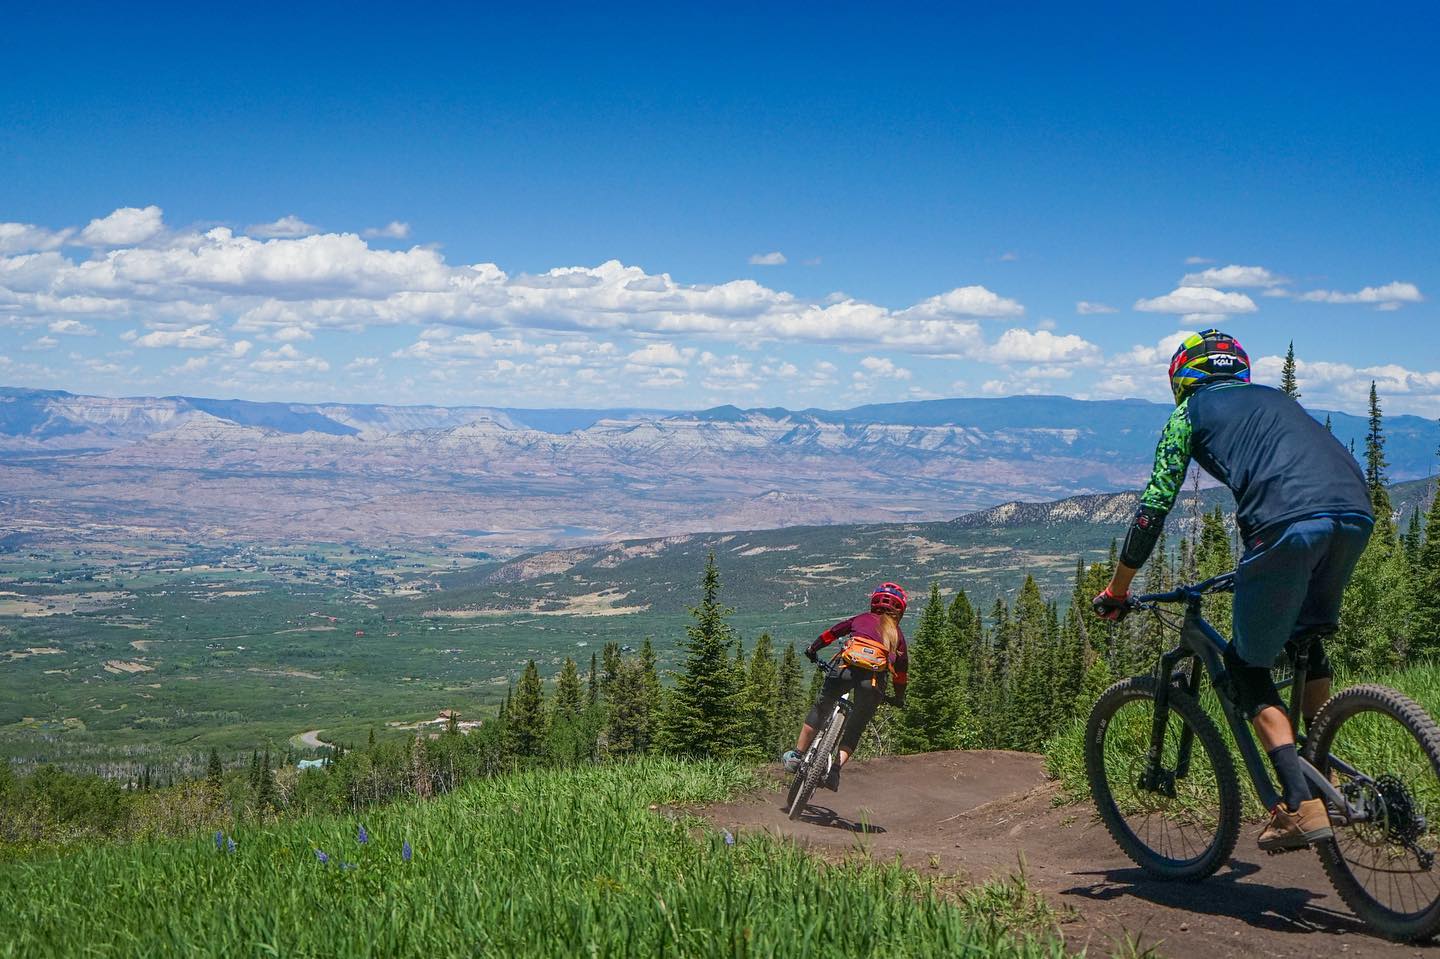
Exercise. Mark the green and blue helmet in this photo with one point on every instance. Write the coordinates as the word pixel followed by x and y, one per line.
pixel 1204 358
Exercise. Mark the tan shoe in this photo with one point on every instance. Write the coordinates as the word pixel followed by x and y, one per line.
pixel 1296 830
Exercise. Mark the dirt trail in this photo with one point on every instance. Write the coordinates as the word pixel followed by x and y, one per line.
pixel 977 812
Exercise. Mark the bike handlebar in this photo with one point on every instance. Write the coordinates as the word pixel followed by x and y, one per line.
pixel 1224 583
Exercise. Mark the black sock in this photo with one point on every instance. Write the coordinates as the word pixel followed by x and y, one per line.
pixel 1293 787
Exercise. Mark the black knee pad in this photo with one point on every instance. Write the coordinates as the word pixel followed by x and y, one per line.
pixel 1250 687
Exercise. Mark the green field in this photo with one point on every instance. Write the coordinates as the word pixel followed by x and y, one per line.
pixel 553 863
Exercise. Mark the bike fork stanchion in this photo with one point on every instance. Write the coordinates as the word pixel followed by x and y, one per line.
pixel 1187 735
pixel 1151 777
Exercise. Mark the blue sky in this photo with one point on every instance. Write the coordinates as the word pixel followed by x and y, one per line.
pixel 639 205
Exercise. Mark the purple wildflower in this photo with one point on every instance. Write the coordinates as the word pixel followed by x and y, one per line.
pixel 362 837
pixel 347 865
pixel 320 855
pixel 405 851
pixel 729 837
pixel 231 844
pixel 219 840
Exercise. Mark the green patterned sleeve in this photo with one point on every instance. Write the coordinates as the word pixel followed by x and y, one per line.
pixel 1172 462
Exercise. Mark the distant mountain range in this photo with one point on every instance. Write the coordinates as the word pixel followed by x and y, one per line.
pixel 814 571
pixel 503 481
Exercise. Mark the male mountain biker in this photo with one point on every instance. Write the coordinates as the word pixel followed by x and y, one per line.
pixel 1304 512
pixel 875 650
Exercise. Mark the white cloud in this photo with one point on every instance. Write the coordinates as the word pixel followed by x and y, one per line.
pixel 1242 276
pixel 1343 385
pixel 1159 354
pixel 287 359
pixel 287 227
pixel 291 334
pixel 394 230
pixel 1009 256
pixel 194 364
pixel 965 301
pixel 882 367
pixel 767 259
pixel 26 237
pixel 362 363
pixel 239 284
pixel 1198 303
pixel 660 354
pixel 42 343
pixel 1197 260
pixel 1040 346
pixel 200 337
pixel 1390 296
pixel 126 226
pixel 71 328
pixel 1088 308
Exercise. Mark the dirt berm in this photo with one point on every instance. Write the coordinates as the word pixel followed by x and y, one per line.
pixel 978 813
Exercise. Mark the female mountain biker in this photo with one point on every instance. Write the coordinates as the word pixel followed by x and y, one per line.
pixel 875 650
pixel 1304 513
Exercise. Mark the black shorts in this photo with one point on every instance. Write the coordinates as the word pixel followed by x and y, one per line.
pixel 869 691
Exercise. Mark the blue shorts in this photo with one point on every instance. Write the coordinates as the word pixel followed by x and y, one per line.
pixel 1292 584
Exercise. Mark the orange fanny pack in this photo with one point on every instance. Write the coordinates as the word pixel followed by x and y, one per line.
pixel 862 652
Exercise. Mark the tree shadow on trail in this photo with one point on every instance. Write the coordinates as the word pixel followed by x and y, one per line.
pixel 822 816
pixel 1229 894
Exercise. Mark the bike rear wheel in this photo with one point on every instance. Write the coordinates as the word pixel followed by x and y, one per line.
pixel 815 765
pixel 1185 827
pixel 1385 868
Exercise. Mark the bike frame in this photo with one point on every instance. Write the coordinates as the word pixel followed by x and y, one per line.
pixel 1200 641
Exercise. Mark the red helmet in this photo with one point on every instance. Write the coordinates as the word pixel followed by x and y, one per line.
pixel 889 597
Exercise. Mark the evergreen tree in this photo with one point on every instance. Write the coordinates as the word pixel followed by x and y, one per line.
pixel 1414 539
pixel 931 718
pixel 592 692
pixel 1030 692
pixel 650 672
pixel 1375 469
pixel 1329 427
pixel 762 703
pixel 790 702
pixel 569 699
pixel 214 770
pixel 266 794
pixel 1426 576
pixel 254 777
pixel 703 710
pixel 525 719
pixel 1288 384
pixel 1213 557
pixel 609 667
pixel 629 717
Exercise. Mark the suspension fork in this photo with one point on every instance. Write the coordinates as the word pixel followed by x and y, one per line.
pixel 1154 778
pixel 1187 735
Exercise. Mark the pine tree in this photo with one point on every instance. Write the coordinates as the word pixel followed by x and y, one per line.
pixel 214 770
pixel 1375 469
pixel 254 777
pixel 629 717
pixel 650 672
pixel 703 710
pixel 569 699
pixel 1213 557
pixel 1030 693
pixel 609 667
pixel 1329 427
pixel 931 719
pixel 762 704
pixel 592 691
pixel 790 702
pixel 525 719
pixel 265 792
pixel 1288 384
pixel 1426 579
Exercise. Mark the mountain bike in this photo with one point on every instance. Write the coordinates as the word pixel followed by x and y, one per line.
pixel 824 750
pixel 1371 753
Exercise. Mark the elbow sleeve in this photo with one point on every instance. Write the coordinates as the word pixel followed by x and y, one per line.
pixel 1141 538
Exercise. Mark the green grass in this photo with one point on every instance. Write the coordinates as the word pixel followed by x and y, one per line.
pixel 536 864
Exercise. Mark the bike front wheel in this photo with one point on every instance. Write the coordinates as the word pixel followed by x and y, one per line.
pixel 1180 820
pixel 1382 751
pixel 815 765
